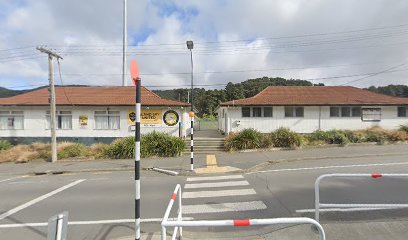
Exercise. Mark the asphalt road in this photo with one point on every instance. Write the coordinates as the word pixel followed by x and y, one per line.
pixel 95 200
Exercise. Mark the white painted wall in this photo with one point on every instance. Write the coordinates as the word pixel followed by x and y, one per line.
pixel 308 123
pixel 35 122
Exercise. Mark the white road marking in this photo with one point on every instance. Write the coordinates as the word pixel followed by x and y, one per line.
pixel 217 184
pixel 44 224
pixel 334 166
pixel 34 201
pixel 224 207
pixel 220 193
pixel 342 210
pixel 13 178
pixel 195 179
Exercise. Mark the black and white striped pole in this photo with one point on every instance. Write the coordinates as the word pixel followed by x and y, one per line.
pixel 190 46
pixel 192 141
pixel 137 81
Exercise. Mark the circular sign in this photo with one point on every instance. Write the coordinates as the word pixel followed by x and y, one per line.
pixel 170 118
pixel 132 116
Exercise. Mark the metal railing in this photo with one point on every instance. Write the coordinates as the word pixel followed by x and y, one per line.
pixel 176 192
pixel 179 223
pixel 319 205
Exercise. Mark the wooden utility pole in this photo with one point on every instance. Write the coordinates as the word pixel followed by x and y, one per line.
pixel 52 55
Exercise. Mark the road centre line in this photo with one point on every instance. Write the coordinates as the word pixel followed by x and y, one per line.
pixel 13 178
pixel 224 207
pixel 44 224
pixel 36 200
pixel 329 167
pixel 216 184
pixel 220 193
pixel 195 179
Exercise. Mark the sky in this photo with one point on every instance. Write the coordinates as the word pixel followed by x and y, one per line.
pixel 358 43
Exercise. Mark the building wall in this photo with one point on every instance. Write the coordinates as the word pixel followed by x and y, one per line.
pixel 35 123
pixel 234 121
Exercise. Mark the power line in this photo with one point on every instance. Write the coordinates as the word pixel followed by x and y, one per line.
pixel 377 73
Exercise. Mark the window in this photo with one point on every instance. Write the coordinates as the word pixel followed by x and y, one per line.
pixel 11 120
pixel 107 120
pixel 63 120
pixel 371 114
pixel 334 112
pixel 268 112
pixel 257 112
pixel 402 111
pixel 246 112
pixel 345 111
pixel 294 112
pixel 356 111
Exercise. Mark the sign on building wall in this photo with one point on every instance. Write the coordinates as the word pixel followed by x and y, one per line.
pixel 170 118
pixel 83 120
pixel 146 117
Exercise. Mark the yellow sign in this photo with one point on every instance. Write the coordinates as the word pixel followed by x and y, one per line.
pixel 83 120
pixel 147 117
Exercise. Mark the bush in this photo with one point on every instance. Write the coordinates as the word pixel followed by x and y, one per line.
pixel 161 145
pixel 404 128
pixel 152 144
pixel 122 148
pixel 397 136
pixel 245 139
pixel 18 153
pixel 330 137
pixel 69 150
pixel 97 150
pixel 4 145
pixel 376 134
pixel 283 137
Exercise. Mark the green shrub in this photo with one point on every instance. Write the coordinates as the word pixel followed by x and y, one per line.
pixel 376 134
pixel 4 145
pixel 283 137
pixel 71 150
pixel 404 128
pixel 332 136
pixel 356 136
pixel 245 139
pixel 161 145
pixel 152 144
pixel 122 148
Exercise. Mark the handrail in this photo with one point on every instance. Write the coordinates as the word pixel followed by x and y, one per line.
pixel 319 205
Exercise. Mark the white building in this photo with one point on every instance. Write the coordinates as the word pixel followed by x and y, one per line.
pixel 88 115
pixel 307 109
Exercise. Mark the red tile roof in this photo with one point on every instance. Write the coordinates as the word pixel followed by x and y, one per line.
pixel 90 96
pixel 317 95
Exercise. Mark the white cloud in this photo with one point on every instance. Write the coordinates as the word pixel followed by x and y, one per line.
pixel 91 31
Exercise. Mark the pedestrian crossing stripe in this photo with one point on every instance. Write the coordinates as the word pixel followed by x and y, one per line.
pixel 214 178
pixel 220 193
pixel 216 184
pixel 224 207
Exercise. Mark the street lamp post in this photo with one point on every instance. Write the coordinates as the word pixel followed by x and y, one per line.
pixel 190 46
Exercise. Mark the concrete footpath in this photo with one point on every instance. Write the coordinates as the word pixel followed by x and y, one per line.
pixel 389 230
pixel 245 161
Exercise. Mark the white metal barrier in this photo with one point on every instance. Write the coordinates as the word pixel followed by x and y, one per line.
pixel 319 205
pixel 179 224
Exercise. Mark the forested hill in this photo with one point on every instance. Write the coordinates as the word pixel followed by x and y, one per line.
pixel 205 101
pixel 392 90
pixel 4 92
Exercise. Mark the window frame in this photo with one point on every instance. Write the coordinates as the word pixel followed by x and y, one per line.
pixel 253 112
pixel 249 112
pixel 405 109
pixel 58 117
pixel 341 110
pixel 363 115
pixel 109 114
pixel 294 111
pixel 264 115
pixel 12 115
